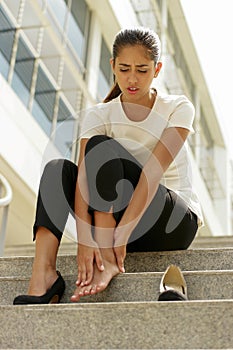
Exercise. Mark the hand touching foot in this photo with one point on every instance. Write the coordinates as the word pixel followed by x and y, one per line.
pixel 101 279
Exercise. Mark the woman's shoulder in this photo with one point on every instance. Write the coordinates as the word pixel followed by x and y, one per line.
pixel 171 102
pixel 101 111
pixel 173 99
pixel 104 106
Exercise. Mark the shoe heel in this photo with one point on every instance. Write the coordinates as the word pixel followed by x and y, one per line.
pixel 55 299
pixel 52 296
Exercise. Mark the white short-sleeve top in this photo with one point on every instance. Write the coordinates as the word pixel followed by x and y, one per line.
pixel 140 137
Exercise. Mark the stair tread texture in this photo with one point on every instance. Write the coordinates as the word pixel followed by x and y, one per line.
pixel 187 260
pixel 145 325
pixel 128 287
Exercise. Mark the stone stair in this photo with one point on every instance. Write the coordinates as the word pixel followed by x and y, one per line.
pixel 127 315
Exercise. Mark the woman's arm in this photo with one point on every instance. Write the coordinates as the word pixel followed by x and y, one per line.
pixel 163 154
pixel 88 250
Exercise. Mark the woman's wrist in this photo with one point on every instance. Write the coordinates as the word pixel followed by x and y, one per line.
pixel 85 236
pixel 121 236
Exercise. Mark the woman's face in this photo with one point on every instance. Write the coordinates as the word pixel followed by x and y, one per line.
pixel 134 72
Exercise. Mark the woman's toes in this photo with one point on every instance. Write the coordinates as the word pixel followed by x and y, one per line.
pixel 74 298
pixel 76 295
pixel 81 293
pixel 94 289
pixel 87 291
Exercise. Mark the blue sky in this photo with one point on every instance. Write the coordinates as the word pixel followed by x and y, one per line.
pixel 211 26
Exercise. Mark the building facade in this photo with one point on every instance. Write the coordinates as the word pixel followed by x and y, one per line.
pixel 54 62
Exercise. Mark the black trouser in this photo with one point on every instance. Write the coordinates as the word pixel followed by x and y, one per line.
pixel 112 175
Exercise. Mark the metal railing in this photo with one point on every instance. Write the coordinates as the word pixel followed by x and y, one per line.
pixel 6 191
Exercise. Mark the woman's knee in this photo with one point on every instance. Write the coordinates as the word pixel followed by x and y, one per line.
pixel 95 141
pixel 53 165
pixel 56 166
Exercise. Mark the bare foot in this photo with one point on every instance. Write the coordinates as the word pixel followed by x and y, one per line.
pixel 41 281
pixel 101 279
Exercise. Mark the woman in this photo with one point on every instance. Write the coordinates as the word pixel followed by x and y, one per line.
pixel 132 189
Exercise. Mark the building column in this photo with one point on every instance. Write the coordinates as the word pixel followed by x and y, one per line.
pixel 93 57
pixel 222 202
pixel 161 80
pixel 197 136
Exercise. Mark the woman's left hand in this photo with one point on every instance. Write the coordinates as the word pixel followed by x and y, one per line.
pixel 120 254
pixel 120 242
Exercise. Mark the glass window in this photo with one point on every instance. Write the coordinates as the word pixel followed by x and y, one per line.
pixel 20 89
pixel 79 10
pixel 59 9
pixel 64 130
pixel 77 31
pixel 44 100
pixel 75 36
pixel 7 34
pixel 41 118
pixel 4 66
pixel 24 64
pixel 103 86
pixel 105 73
pixel 64 137
pixel 105 66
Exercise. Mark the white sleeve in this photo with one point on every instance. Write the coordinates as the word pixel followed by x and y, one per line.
pixel 91 124
pixel 182 115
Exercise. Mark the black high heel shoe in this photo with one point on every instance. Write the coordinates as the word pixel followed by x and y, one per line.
pixel 52 296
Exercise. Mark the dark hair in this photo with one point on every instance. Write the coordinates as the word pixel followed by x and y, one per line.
pixel 131 37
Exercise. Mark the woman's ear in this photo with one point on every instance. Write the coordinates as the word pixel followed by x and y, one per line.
pixel 157 69
pixel 112 63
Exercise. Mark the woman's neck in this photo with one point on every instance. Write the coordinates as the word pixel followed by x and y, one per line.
pixel 139 111
pixel 147 101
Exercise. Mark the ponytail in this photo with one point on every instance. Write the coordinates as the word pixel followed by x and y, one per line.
pixel 113 93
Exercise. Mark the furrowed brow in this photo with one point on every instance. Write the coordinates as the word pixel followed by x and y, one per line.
pixel 142 65
pixel 137 65
pixel 124 64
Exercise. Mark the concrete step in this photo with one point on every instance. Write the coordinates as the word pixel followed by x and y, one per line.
pixel 187 260
pixel 144 325
pixel 128 287
pixel 69 247
pixel 212 242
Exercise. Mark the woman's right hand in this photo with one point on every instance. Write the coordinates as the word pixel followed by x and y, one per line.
pixel 86 257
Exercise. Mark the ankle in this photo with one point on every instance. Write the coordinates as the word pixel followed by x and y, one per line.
pixel 108 255
pixel 41 267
